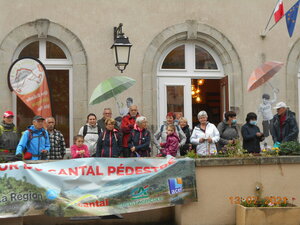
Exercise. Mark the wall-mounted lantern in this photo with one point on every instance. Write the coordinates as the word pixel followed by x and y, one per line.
pixel 121 47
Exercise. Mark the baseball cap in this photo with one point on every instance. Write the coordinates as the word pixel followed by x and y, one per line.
pixel 38 118
pixel 8 114
pixel 280 105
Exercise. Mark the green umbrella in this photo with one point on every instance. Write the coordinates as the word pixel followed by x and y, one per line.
pixel 110 88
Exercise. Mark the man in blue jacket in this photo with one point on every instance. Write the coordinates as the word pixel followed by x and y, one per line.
pixel 36 141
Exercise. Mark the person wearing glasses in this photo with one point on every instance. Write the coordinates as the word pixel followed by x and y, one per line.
pixel 107 114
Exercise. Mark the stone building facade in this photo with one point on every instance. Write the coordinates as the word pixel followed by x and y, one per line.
pixel 228 33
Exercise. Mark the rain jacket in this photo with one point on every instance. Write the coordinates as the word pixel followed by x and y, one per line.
pixel 250 140
pixel 288 132
pixel 188 132
pixel 91 137
pixel 75 151
pixel 127 125
pixel 109 144
pixel 227 133
pixel 161 134
pixel 171 146
pixel 34 142
pixel 205 148
pixel 140 139
pixel 9 137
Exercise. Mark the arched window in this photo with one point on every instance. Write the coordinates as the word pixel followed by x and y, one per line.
pixel 190 59
pixel 175 59
pixel 189 78
pixel 204 60
pixel 57 60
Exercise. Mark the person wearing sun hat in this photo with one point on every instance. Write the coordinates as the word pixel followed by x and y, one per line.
pixel 9 136
pixel 284 126
pixel 35 140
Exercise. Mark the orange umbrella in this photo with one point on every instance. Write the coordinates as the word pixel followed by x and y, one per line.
pixel 263 73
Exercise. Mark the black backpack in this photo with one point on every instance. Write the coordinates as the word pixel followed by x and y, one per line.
pixel 85 132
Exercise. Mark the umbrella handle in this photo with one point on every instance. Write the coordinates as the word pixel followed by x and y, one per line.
pixel 276 90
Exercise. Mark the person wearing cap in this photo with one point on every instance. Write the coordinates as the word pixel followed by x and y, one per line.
pixel 57 141
pixel 9 136
pixel 284 126
pixel 35 140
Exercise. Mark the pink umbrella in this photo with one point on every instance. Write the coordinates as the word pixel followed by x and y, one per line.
pixel 263 73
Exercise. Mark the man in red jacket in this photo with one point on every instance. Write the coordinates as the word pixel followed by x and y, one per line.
pixel 127 125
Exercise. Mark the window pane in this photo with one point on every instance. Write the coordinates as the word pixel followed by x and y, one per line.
pixel 31 50
pixel 204 60
pixel 54 52
pixel 58 82
pixel 175 99
pixel 175 59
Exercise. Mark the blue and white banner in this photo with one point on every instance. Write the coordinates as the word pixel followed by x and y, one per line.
pixel 95 186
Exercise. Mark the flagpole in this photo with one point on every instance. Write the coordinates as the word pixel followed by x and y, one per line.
pixel 270 19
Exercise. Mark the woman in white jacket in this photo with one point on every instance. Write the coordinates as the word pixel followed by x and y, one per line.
pixel 90 133
pixel 205 136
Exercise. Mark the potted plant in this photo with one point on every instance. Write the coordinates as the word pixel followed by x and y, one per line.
pixel 273 210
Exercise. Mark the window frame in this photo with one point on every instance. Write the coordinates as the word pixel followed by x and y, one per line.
pixel 190 63
pixel 51 64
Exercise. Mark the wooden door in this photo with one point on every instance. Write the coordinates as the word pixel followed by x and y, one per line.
pixel 224 97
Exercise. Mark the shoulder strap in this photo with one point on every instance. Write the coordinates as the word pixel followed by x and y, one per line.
pixel 85 127
pixel 161 128
pixel 29 134
pixel 115 136
pixel 99 127
pixel 104 134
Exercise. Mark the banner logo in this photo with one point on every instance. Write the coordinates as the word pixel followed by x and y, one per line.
pixel 51 194
pixel 140 192
pixel 27 78
pixel 175 185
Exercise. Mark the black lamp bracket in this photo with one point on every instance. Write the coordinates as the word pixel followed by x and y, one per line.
pixel 118 31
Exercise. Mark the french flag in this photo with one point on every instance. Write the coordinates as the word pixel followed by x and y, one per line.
pixel 279 11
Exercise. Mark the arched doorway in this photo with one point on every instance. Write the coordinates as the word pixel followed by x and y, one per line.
pixel 189 80
pixel 190 32
pixel 58 63
pixel 43 29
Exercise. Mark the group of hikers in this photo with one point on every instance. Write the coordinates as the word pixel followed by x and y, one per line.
pixel 130 136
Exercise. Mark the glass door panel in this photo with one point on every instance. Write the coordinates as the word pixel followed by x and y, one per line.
pixel 174 95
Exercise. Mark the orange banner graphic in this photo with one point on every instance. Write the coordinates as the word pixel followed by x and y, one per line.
pixel 27 78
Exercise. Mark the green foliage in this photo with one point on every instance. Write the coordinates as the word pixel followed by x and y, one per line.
pixel 266 202
pixel 290 148
pixel 192 154
pixel 233 150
